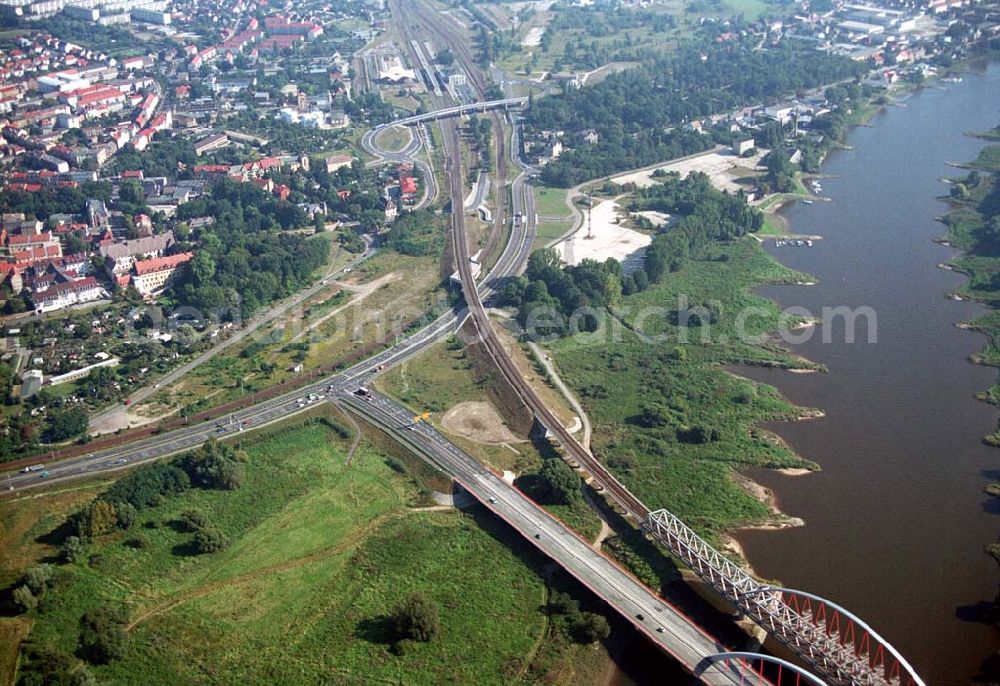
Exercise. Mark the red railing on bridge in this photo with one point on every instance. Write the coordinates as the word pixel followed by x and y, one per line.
pixel 827 638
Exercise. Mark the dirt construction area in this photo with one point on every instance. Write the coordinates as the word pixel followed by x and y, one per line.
pixel 721 165
pixel 605 237
pixel 479 422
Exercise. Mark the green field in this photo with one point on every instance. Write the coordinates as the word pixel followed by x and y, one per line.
pixel 684 386
pixel 321 552
pixel 546 232
pixel 550 202
pixel 394 138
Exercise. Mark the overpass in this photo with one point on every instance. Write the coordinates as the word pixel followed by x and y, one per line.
pixel 456 111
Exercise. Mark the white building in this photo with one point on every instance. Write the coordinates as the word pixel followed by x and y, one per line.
pixel 60 295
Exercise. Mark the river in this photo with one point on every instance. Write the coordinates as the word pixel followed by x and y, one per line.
pixel 897 520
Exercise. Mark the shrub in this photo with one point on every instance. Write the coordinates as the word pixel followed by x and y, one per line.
pixel 193 520
pixel 125 514
pixel 136 542
pixel 102 636
pixel 37 578
pixel 97 519
pixel 416 619
pixel 587 627
pixel 210 540
pixel 41 664
pixel 72 550
pixel 24 599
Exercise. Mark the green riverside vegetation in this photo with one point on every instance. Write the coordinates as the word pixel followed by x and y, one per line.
pixel 974 227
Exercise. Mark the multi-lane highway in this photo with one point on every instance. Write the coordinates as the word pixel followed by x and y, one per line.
pixel 661 622
pixel 511 261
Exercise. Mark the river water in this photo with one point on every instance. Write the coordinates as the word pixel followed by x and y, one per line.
pixel 897 520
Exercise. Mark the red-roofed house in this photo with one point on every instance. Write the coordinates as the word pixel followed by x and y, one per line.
pixel 408 186
pixel 152 276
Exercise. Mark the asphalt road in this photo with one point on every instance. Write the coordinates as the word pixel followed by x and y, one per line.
pixel 265 318
pixel 662 623
pixel 155 447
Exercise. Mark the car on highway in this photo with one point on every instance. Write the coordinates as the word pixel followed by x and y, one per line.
pixel 121 460
pixel 493 500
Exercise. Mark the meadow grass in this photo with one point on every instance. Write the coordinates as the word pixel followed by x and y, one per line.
pixel 321 552
pixel 550 202
pixel 549 231
pixel 687 383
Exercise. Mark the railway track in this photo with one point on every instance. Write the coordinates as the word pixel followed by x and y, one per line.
pixel 430 21
pixel 621 495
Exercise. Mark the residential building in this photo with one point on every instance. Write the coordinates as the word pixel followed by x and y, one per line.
pixel 152 276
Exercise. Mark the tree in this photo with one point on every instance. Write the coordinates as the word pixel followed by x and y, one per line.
pixel 561 483
pixel 125 515
pixel 98 519
pixel 194 520
pixel 102 636
pixel 210 540
pixel 780 172
pixel 24 599
pixel 131 192
pixel 66 424
pixel 72 550
pixel 37 578
pixel 588 627
pixel 212 466
pixel 415 619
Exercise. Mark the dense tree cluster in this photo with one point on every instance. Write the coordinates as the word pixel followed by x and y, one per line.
pixel 546 288
pixel 65 424
pixel 212 466
pixel 51 200
pixel 168 155
pixel 635 111
pixel 244 258
pixel 706 216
